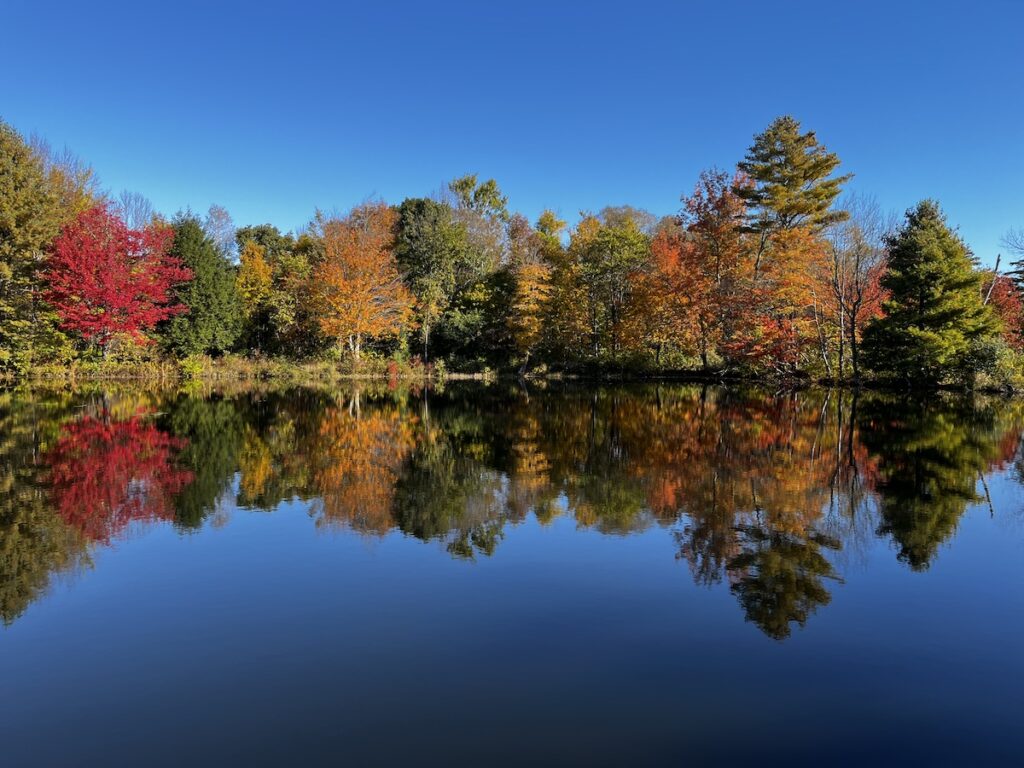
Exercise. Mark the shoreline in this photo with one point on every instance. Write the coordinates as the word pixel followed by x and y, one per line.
pixel 235 370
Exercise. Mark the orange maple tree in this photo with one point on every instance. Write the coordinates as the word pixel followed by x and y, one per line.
pixel 357 289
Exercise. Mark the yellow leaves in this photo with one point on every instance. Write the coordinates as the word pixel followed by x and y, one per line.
pixel 530 303
pixel 255 278
pixel 799 268
pixel 256 464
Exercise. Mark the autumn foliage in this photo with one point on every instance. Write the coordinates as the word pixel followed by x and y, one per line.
pixel 107 474
pixel 357 288
pixel 106 279
pixel 1005 299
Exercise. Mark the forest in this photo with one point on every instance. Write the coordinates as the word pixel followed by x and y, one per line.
pixel 770 270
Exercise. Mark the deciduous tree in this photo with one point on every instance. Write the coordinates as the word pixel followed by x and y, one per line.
pixel 857 247
pixel 30 218
pixel 106 279
pixel 358 288
pixel 430 248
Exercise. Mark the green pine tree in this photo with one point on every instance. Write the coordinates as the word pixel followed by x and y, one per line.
pixel 935 321
pixel 214 316
pixel 791 187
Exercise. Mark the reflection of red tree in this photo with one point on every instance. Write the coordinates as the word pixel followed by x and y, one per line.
pixel 106 474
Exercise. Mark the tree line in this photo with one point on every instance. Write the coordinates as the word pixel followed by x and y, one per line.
pixel 766 270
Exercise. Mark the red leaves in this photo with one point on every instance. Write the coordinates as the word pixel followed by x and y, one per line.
pixel 107 474
pixel 105 279
pixel 1006 301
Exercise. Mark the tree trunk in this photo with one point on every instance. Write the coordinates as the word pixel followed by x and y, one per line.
pixel 842 342
pixel 854 348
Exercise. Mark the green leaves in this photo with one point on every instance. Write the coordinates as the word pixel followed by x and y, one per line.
pixel 935 318
pixel 790 171
pixel 214 318
pixel 30 218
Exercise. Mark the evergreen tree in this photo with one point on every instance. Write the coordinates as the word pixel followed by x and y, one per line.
pixel 935 319
pixel 791 186
pixel 213 320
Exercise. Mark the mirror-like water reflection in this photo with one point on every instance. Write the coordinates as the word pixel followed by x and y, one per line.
pixel 767 503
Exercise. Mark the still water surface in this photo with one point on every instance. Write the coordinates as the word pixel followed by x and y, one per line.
pixel 507 575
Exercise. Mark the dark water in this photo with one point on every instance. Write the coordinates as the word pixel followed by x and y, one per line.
pixel 495 575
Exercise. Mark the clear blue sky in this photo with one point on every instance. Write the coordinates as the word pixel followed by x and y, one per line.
pixel 275 109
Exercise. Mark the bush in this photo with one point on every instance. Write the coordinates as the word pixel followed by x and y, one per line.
pixel 193 367
pixel 998 366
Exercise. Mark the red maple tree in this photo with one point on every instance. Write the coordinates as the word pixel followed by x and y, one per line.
pixel 107 279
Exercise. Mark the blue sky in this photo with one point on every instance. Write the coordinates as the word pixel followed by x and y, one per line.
pixel 275 109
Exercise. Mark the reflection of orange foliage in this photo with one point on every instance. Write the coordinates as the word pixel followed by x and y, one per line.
pixel 529 476
pixel 106 474
pixel 358 456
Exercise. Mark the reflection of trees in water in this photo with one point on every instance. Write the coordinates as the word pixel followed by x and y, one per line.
pixel 931 463
pixel 764 492
pixel 357 457
pixel 448 489
pixel 106 474
pixel 777 576
pixel 35 542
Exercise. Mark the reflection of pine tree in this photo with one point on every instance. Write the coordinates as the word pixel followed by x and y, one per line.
pixel 212 429
pixel 930 458
pixel 777 577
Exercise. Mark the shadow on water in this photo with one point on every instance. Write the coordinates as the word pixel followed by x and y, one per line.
pixel 763 492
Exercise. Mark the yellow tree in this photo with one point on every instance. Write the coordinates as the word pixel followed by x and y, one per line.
pixel 529 250
pixel 357 289
pixel 254 278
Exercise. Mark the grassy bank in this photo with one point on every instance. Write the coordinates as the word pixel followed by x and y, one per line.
pixel 229 368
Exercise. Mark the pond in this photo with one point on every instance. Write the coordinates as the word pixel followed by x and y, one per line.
pixel 503 574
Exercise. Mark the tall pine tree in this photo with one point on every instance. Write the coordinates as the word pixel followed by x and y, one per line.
pixel 935 319
pixel 791 186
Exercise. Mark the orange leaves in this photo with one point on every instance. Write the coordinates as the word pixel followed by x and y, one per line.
pixel 798 299
pixel 358 458
pixel 706 271
pixel 357 289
